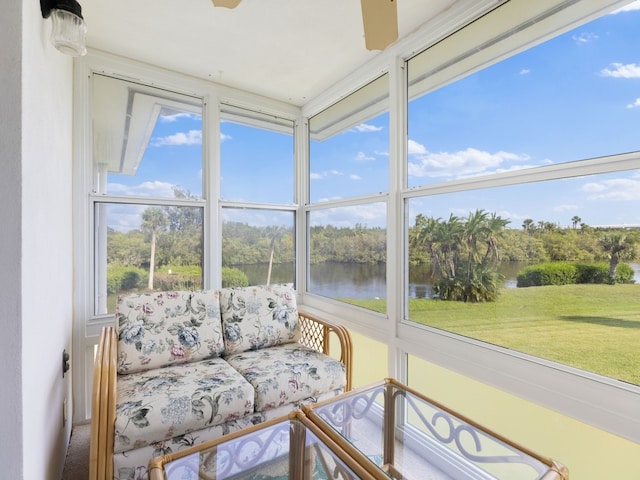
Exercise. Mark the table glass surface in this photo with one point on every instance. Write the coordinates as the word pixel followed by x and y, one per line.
pixel 406 436
pixel 287 449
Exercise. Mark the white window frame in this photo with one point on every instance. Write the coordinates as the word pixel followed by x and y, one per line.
pixel 87 325
pixel 602 402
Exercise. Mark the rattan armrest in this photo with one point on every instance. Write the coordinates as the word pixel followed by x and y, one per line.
pixel 103 403
pixel 316 334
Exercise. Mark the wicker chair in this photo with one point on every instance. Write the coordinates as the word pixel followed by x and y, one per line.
pixel 312 334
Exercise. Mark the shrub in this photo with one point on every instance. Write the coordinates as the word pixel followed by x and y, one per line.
pixel 592 273
pixel 554 273
pixel 122 278
pixel 478 283
pixel 179 277
pixel 234 277
pixel 624 274
pixel 563 273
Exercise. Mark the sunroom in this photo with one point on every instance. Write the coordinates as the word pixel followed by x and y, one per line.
pixel 266 144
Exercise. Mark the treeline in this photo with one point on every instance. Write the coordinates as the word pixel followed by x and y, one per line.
pixel 245 244
pixel 464 253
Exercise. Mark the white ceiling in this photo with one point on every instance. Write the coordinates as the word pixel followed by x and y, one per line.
pixel 289 50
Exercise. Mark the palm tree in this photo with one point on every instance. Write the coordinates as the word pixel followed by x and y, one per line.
pixel 495 225
pixel 275 234
pixel 618 247
pixel 528 225
pixel 463 254
pixel 575 220
pixel 154 220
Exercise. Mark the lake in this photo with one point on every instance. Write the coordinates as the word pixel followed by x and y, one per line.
pixel 346 280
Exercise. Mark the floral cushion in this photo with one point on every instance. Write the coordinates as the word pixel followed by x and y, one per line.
pixel 258 317
pixel 132 464
pixel 156 405
pixel 287 374
pixel 167 328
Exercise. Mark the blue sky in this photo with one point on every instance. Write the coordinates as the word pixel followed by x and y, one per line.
pixel 574 97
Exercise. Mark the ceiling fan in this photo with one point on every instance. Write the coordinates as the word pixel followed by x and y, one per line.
pixel 379 17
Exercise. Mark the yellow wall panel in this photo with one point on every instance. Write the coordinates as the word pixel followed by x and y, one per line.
pixel 589 453
pixel 369 360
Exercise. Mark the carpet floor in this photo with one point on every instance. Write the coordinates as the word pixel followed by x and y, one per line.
pixel 76 465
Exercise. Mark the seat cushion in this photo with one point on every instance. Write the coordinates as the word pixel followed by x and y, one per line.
pixel 258 317
pixel 288 373
pixel 167 328
pixel 156 405
pixel 132 464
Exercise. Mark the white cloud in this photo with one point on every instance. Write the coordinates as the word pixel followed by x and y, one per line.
pixel 565 208
pixel 353 176
pixel 370 215
pixel 593 187
pixel 192 137
pixel 525 71
pixel 415 148
pixel 464 163
pixel 628 8
pixel 124 217
pixel 584 37
pixel 365 127
pixel 615 189
pixel 618 70
pixel 224 137
pixel 322 175
pixel 147 189
pixel 177 116
pixel 634 104
pixel 363 157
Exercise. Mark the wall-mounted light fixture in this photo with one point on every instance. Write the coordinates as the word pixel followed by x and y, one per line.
pixel 68 29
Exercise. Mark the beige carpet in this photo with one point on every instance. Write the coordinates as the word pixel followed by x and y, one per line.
pixel 76 465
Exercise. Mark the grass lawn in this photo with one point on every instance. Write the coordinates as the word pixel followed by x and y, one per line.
pixel 592 327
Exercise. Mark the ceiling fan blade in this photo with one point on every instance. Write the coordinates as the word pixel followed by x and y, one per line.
pixel 226 3
pixel 380 20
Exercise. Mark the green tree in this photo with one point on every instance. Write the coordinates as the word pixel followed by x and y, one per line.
pixel 575 221
pixel 528 225
pixel 464 255
pixel 618 247
pixel 182 244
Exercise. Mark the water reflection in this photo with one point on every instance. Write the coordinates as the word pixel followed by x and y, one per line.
pixel 346 280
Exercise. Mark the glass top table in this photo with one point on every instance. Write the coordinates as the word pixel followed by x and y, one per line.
pixel 396 432
pixel 291 447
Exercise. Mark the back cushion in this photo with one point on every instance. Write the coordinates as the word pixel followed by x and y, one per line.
pixel 258 317
pixel 167 328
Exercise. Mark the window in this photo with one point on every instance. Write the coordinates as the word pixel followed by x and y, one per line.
pixel 257 247
pixel 256 152
pixel 523 214
pixel 349 148
pixel 347 260
pixel 348 183
pixel 147 190
pixel 258 210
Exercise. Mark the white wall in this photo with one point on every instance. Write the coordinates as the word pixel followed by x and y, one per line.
pixel 10 247
pixel 36 253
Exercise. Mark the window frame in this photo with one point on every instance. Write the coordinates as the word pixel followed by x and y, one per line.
pixel 599 401
pixel 367 100
pixel 87 325
pixel 603 402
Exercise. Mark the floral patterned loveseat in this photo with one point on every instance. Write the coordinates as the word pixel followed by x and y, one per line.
pixel 180 368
